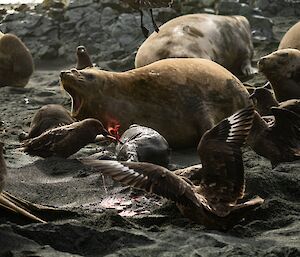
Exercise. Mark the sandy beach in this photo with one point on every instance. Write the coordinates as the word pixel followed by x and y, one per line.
pixel 100 217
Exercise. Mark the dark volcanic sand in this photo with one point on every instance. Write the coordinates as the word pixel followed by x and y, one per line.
pixel 88 229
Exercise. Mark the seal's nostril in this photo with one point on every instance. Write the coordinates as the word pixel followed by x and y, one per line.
pixel 62 73
pixel 262 60
pixel 74 70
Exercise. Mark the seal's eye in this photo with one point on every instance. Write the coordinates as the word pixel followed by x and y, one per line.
pixel 89 76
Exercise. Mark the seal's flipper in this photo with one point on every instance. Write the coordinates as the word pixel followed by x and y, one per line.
pixel 153 21
pixel 247 69
pixel 144 30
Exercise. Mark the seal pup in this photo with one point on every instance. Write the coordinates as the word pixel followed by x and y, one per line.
pixel 16 63
pixel 47 117
pixel 180 98
pixel 83 58
pixel 222 39
pixel 264 99
pixel 65 140
pixel 149 4
pixel 278 141
pixel 8 202
pixel 291 38
pixel 282 69
pixel 143 144
pixel 214 201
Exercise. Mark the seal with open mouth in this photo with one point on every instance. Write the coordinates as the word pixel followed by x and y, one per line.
pixel 179 98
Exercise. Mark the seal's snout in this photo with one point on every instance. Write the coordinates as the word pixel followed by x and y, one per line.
pixel 63 74
pixel 262 63
pixel 74 71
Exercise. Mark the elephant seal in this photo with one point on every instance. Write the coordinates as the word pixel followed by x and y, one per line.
pixel 47 117
pixel 291 39
pixel 16 64
pixel 180 98
pixel 282 69
pixel 142 144
pixel 213 202
pixel 222 39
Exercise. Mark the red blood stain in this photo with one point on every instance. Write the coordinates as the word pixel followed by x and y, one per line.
pixel 113 129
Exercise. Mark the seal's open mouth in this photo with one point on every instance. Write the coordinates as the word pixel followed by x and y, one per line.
pixel 67 80
pixel 77 101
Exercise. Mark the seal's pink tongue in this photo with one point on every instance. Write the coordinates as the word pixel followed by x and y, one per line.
pixel 77 103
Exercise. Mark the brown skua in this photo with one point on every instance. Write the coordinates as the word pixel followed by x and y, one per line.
pixel 149 4
pixel 282 69
pixel 179 98
pixel 65 140
pixel 222 39
pixel 212 202
pixel 16 63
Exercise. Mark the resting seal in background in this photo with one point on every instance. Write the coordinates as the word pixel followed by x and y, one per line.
pixel 47 117
pixel 291 39
pixel 16 64
pixel 282 69
pixel 223 39
pixel 179 98
pixel 142 144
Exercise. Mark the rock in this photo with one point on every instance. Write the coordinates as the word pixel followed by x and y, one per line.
pixel 263 27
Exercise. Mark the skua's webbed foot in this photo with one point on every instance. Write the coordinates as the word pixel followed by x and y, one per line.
pixel 153 21
pixel 144 30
